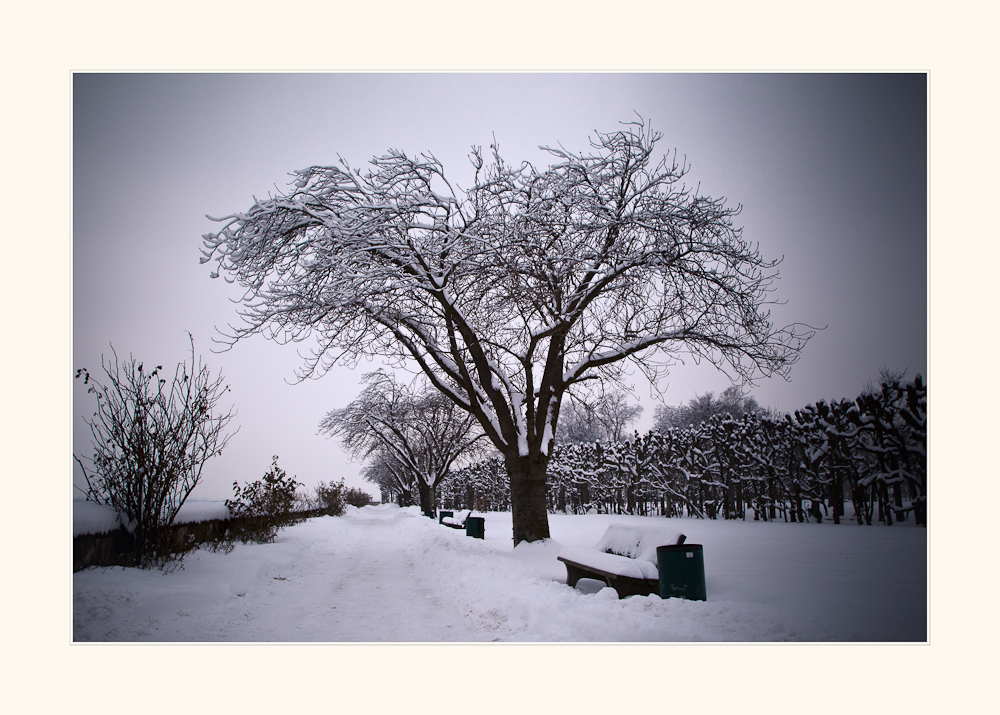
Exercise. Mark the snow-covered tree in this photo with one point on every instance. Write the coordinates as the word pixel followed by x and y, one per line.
pixel 795 467
pixel 394 481
pixel 893 421
pixel 616 414
pixel 510 293
pixel 483 486
pixel 416 434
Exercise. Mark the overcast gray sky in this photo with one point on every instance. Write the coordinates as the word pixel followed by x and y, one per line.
pixel 830 170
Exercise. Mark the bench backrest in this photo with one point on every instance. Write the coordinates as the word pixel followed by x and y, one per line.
pixel 637 542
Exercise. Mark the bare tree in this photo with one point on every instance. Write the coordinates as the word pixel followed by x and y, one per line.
pixel 702 408
pixel 508 294
pixel 151 440
pixel 578 424
pixel 616 414
pixel 605 417
pixel 416 434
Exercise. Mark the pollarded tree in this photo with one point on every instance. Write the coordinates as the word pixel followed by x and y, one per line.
pixel 508 294
pixel 416 435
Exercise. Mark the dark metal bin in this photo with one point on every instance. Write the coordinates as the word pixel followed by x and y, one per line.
pixel 682 571
pixel 443 514
pixel 475 526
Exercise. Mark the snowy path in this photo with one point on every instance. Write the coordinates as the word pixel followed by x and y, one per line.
pixel 316 583
pixel 360 586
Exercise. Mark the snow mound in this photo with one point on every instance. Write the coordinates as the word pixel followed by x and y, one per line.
pixel 193 511
pixel 606 594
pixel 592 586
pixel 533 551
pixel 382 513
pixel 92 518
pixel 540 556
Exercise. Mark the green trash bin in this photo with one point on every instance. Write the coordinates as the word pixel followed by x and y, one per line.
pixel 475 526
pixel 443 514
pixel 682 571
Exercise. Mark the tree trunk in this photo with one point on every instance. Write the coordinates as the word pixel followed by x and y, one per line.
pixel 771 499
pixel 528 497
pixel 837 496
pixel 405 497
pixel 426 497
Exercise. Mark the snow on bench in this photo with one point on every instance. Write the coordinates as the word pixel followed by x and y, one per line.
pixel 458 520
pixel 624 558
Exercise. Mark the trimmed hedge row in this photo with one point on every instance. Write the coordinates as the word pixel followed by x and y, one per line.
pixel 872 450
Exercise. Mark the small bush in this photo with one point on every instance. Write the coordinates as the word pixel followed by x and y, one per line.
pixel 357 497
pixel 330 497
pixel 260 509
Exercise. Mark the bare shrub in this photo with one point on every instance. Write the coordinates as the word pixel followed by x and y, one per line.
pixel 357 497
pixel 151 438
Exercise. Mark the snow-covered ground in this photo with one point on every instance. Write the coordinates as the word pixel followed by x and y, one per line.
pixel 385 574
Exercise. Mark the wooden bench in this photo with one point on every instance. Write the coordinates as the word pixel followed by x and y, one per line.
pixel 455 521
pixel 475 526
pixel 624 558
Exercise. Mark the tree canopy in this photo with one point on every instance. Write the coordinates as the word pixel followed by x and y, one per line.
pixel 510 293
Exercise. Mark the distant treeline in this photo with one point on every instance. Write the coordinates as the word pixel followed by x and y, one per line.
pixel 871 450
